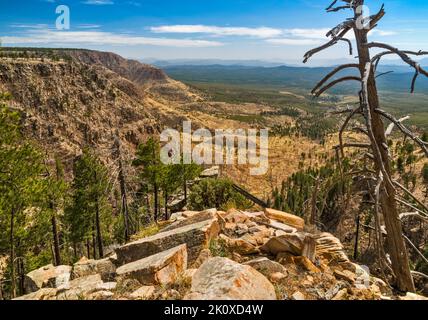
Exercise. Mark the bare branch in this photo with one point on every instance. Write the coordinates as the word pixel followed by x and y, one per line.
pixel 404 130
pixel 383 74
pixel 335 38
pixel 391 127
pixel 332 73
pixel 335 82
pixel 405 190
pixel 404 57
pixel 416 248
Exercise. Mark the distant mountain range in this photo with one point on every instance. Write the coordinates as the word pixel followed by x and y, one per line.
pixel 291 77
pixel 264 63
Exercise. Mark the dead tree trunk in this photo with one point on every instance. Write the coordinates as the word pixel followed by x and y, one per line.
pixel 386 193
pixel 395 242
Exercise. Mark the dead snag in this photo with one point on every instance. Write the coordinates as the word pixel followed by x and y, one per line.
pixel 384 192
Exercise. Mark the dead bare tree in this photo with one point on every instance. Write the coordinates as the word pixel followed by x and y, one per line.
pixel 384 187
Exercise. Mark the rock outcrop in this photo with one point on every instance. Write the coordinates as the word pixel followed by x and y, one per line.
pixel 196 236
pixel 218 255
pixel 47 277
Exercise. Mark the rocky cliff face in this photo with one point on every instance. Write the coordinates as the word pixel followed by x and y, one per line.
pixel 214 255
pixel 85 96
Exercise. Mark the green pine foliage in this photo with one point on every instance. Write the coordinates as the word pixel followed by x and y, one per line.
pixel 216 193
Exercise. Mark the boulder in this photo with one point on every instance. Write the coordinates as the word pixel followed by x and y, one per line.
pixel 196 236
pixel 80 288
pixel 194 218
pixel 212 172
pixel 162 268
pixel 223 279
pixel 143 293
pixel 266 267
pixel 42 294
pixel 239 246
pixel 47 277
pixel 330 248
pixel 85 267
pixel 287 218
pixel 291 242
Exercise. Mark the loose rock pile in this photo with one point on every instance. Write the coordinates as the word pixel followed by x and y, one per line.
pixel 211 255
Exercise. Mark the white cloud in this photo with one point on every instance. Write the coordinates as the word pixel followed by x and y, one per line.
pixel 98 2
pixel 261 32
pixel 100 38
pixel 294 42
pixel 307 33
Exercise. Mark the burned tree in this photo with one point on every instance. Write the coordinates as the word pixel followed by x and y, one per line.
pixel 384 190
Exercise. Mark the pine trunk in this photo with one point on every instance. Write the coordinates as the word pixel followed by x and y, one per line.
pixel 57 252
pixel 12 254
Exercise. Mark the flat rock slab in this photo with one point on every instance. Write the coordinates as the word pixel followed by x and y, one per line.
pixel 162 268
pixel 195 218
pixel 196 236
pixel 287 218
pixel 223 279
pixel 42 294
pixel 80 287
pixel 47 277
pixel 86 267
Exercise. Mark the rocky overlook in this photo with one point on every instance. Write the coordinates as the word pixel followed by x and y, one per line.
pixel 233 255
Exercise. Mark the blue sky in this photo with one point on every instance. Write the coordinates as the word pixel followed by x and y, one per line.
pixel 199 29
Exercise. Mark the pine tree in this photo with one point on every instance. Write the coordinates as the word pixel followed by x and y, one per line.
pixel 90 191
pixel 148 159
pixel 21 187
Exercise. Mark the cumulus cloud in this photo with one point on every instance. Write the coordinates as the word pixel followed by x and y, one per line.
pixel 53 37
pixel 261 32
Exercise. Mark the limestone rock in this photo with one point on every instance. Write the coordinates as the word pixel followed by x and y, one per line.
pixel 292 243
pixel 191 219
pixel 223 279
pixel 307 264
pixel 80 288
pixel 239 246
pixel 162 268
pixel 100 295
pixel 330 248
pixel 196 236
pixel 345 275
pixel 143 293
pixel 212 172
pixel 267 267
pixel 85 267
pixel 282 226
pixel 289 219
pixel 47 277
pixel 42 294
